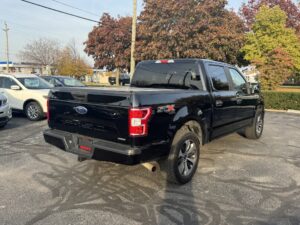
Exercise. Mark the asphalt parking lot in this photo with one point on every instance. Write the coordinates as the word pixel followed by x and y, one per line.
pixel 238 181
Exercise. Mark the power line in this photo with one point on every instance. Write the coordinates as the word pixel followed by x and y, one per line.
pixel 73 7
pixel 59 11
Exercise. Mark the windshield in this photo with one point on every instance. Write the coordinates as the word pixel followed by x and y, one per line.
pixel 34 83
pixel 70 82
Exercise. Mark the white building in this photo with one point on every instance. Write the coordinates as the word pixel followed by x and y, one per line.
pixel 25 68
pixel 251 73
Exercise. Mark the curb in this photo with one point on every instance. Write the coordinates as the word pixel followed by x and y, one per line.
pixel 293 111
pixel 283 111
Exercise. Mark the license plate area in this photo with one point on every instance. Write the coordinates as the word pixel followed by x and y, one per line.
pixel 84 147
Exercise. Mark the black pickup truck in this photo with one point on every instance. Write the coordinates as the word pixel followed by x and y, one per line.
pixel 170 110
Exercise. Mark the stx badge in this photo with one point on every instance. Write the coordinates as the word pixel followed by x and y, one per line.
pixel 166 109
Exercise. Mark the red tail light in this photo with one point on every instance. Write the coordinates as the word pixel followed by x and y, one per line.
pixel 48 110
pixel 138 121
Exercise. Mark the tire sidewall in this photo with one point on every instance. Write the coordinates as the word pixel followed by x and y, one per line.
pixel 176 147
pixel 40 111
pixel 260 112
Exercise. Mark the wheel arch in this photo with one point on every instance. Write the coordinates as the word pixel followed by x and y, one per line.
pixel 188 120
pixel 31 100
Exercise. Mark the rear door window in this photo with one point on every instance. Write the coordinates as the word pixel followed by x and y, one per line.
pixel 218 77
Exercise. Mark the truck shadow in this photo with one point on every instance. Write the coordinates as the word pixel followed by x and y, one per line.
pixel 130 192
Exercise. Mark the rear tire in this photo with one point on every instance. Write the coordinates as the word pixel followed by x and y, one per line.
pixel 34 111
pixel 255 130
pixel 182 162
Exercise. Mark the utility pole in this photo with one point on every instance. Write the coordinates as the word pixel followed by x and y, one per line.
pixel 6 29
pixel 133 39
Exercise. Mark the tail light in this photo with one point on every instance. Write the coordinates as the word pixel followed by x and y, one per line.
pixel 138 121
pixel 48 110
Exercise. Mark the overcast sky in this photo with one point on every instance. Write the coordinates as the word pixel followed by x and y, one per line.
pixel 28 22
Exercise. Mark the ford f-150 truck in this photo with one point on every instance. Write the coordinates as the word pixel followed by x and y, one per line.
pixel 170 110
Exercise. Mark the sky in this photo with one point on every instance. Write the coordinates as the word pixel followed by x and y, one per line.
pixel 28 22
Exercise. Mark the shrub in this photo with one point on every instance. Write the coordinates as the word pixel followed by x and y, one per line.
pixel 281 100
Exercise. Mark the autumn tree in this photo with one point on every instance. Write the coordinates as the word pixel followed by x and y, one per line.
pixel 109 43
pixel 272 47
pixel 250 9
pixel 42 51
pixel 71 63
pixel 189 28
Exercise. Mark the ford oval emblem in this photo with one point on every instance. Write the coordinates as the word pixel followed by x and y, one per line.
pixel 81 110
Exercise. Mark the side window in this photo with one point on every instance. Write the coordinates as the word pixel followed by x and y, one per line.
pixel 8 82
pixel 239 83
pixel 218 77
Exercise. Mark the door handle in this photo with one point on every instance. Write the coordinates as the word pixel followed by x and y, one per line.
pixel 238 98
pixel 219 103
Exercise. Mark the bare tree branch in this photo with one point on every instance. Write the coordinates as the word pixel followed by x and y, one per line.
pixel 42 51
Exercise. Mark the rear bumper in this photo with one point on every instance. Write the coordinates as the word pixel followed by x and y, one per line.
pixel 98 149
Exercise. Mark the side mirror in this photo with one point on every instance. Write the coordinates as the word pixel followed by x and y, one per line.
pixel 254 88
pixel 15 87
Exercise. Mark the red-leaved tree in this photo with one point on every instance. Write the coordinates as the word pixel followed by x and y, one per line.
pixel 189 28
pixel 109 43
pixel 250 9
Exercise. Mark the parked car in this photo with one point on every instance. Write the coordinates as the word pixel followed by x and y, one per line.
pixel 5 111
pixel 27 93
pixel 112 80
pixel 171 109
pixel 63 81
pixel 124 79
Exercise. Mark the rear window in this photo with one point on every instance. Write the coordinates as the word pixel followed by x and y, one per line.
pixel 171 75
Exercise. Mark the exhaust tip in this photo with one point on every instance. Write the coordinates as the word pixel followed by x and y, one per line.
pixel 150 166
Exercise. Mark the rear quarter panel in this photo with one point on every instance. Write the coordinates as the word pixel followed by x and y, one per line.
pixel 189 105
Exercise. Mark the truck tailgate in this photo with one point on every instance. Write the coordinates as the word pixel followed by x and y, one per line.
pixel 94 114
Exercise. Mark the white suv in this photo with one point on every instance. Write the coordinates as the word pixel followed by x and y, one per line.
pixel 27 93
pixel 5 111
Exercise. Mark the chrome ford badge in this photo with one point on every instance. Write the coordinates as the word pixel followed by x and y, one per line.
pixel 81 110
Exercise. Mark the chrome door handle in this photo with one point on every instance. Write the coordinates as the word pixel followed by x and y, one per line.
pixel 219 103
pixel 238 98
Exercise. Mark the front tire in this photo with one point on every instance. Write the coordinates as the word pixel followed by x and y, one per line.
pixel 34 111
pixel 182 162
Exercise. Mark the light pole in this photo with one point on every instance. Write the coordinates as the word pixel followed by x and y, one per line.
pixel 133 39
pixel 6 29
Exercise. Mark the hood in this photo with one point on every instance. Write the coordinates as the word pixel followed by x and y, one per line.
pixel 41 91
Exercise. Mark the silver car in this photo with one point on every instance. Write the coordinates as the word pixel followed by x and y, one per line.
pixel 5 111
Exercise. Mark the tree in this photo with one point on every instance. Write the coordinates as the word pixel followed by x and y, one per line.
pixel 249 10
pixel 42 51
pixel 272 47
pixel 71 63
pixel 109 43
pixel 189 28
